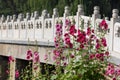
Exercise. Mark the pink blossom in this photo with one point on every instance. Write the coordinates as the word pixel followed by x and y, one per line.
pixel 11 59
pixel 17 74
pixel 103 40
pixel 72 30
pixel 92 56
pixel 67 22
pixel 36 57
pixel 81 37
pixel 103 25
pixel 7 71
pixel 45 57
pixel 88 31
pixel 107 53
pixel 114 79
pixel 29 55
pixel 97 46
pixel 72 55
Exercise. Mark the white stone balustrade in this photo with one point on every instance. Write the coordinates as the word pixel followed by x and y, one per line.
pixel 42 28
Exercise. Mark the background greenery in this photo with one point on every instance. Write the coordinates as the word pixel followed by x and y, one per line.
pixel 17 6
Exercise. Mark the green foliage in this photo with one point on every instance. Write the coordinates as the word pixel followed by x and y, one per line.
pixel 17 6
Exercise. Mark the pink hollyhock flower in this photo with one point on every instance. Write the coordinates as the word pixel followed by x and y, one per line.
pixel 88 31
pixel 64 63
pixel 81 37
pixel 92 56
pixel 98 56
pixel 29 55
pixel 81 46
pixel 45 57
pixel 107 53
pixel 103 25
pixel 36 57
pixel 97 46
pixel 11 59
pixel 114 79
pixel 17 74
pixel 7 71
pixel 72 30
pixel 72 55
pixel 103 40
pixel 67 22
pixel 118 72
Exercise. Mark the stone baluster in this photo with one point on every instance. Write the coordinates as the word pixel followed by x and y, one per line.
pixel 66 14
pixel 66 11
pixel 80 12
pixel 113 20
pixel 2 18
pixel 43 16
pixel 95 15
pixel 106 18
pixel 44 13
pixel 20 17
pixel 8 18
pixel 55 15
pixel 27 16
pixel 36 14
pixel 32 15
pixel 14 17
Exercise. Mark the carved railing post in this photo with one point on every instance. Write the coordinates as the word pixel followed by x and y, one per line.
pixel 43 16
pixel 66 14
pixel 95 15
pixel 80 12
pixel 55 15
pixel 113 20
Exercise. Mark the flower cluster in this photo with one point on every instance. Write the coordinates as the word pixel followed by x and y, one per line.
pixel 85 45
pixel 113 71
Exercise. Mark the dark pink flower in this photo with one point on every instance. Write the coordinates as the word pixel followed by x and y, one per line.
pixel 17 74
pixel 103 25
pixel 67 22
pixel 29 55
pixel 92 56
pixel 88 31
pixel 114 79
pixel 97 46
pixel 103 40
pixel 36 57
pixel 72 55
pixel 45 57
pixel 72 30
pixel 7 71
pixel 11 59
pixel 107 53
pixel 81 37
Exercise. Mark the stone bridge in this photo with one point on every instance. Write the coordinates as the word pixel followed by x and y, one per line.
pixel 19 33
